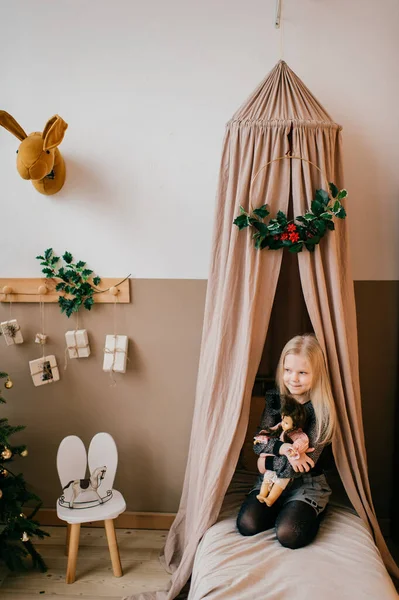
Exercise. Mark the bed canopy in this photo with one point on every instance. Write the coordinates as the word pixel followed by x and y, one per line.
pixel 281 116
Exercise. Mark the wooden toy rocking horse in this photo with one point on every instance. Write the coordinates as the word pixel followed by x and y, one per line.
pixel 38 157
pixel 91 484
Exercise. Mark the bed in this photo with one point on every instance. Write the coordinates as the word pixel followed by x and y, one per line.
pixel 342 563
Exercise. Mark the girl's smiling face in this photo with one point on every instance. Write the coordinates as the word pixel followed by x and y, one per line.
pixel 297 376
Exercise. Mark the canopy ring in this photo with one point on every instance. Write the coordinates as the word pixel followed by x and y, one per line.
pixel 289 156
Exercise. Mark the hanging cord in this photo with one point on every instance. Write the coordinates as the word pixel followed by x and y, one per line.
pixel 43 339
pixel 281 32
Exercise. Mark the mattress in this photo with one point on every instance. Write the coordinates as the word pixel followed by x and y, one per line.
pixel 342 563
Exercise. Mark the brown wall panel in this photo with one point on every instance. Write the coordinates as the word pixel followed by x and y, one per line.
pixel 149 411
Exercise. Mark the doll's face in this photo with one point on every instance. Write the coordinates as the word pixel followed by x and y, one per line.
pixel 287 423
pixel 297 376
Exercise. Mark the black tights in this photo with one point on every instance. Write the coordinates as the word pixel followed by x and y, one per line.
pixel 296 522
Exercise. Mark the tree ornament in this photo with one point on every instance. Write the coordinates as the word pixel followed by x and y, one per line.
pixel 25 537
pixel 302 232
pixel 24 453
pixel 8 384
pixel 6 454
pixel 22 516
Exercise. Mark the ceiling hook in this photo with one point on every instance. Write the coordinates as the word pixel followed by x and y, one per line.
pixel 278 14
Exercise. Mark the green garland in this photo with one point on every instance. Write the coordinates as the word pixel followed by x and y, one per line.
pixel 74 281
pixel 304 231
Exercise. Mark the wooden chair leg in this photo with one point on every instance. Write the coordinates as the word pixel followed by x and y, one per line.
pixel 113 547
pixel 68 537
pixel 73 552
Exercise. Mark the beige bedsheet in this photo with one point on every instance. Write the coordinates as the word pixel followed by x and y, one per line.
pixel 343 562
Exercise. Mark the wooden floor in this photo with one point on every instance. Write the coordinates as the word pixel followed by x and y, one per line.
pixel 139 551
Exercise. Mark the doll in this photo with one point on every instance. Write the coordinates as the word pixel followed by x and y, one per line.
pixel 289 430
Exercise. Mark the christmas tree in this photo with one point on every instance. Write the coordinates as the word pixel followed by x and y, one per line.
pixel 16 528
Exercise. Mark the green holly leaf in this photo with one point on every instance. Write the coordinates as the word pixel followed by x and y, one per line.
pixel 317 207
pixel 309 217
pixel 341 214
pixel 326 215
pixel 342 194
pixel 320 226
pixel 40 257
pixel 330 225
pixel 48 272
pixel 96 280
pixel 261 227
pixel 60 286
pixel 48 253
pixel 80 264
pixel 333 189
pixel 266 242
pixel 310 247
pixel 313 240
pixel 261 212
pixel 295 248
pixel 281 218
pixel 67 257
pixel 54 260
pixel 242 221
pixel 322 196
pixel 337 206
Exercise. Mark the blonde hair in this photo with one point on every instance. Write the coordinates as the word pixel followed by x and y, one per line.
pixel 320 393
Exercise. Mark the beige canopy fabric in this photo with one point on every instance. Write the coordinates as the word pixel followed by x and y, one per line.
pixel 281 116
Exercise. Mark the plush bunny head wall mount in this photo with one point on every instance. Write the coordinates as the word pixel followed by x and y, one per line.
pixel 38 157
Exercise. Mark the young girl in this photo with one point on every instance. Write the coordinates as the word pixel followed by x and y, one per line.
pixel 302 373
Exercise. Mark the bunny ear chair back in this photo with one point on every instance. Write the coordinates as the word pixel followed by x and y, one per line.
pixel 38 157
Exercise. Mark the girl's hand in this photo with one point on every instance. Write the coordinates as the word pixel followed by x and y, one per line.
pixel 303 464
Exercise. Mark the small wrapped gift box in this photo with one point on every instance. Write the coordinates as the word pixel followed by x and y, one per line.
pixel 115 353
pixel 77 343
pixel 11 331
pixel 44 370
pixel 41 338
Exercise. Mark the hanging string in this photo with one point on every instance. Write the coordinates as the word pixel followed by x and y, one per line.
pixel 115 301
pixel 43 338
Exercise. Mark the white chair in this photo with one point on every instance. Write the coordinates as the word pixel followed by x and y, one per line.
pixel 71 465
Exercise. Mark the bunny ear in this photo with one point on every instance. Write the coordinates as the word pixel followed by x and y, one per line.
pixel 9 123
pixel 53 133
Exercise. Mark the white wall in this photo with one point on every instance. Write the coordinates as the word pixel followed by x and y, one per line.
pixel 147 87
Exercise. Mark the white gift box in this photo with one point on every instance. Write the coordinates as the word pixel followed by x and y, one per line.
pixel 44 370
pixel 77 343
pixel 12 333
pixel 115 353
